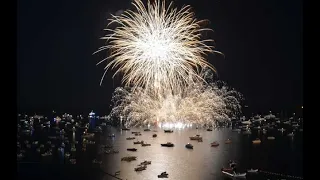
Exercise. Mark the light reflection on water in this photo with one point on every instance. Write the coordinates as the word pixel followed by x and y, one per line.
pixel 282 155
pixel 203 162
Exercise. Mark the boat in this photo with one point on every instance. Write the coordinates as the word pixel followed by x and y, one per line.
pixel 46 154
pixel 140 168
pixel 112 135
pixel 137 134
pixel 282 130
pixel 145 163
pixel 209 129
pixel 131 149
pixel 235 175
pixel 252 170
pixel 163 175
pixel 226 169
pixel 236 130
pixel 95 161
pixel 154 135
pixel 228 141
pixel 290 134
pixel 129 158
pixel 143 144
pixel 257 141
pixel 189 146
pixel 271 138
pixel 130 138
pixel 168 144
pixel 125 129
pixel 247 132
pixel 138 142
pixel 168 131
pixel 147 130
pixel 196 137
pixel 214 144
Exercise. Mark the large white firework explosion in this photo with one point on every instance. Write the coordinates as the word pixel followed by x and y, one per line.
pixel 157 47
pixel 200 103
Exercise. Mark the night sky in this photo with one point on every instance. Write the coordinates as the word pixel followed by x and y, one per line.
pixel 261 40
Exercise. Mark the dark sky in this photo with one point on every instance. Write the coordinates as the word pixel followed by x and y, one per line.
pixel 261 40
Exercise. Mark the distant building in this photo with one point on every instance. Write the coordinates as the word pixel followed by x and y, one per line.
pixel 92 120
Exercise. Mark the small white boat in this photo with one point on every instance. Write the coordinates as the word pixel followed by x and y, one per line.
pixel 252 170
pixel 271 138
pixel 257 141
pixel 235 175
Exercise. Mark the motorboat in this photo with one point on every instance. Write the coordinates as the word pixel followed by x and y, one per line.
pixel 145 163
pixel 130 138
pixel 196 137
pixel 138 142
pixel 228 141
pixel 189 146
pixel 154 135
pixel 209 129
pixel 214 144
pixel 168 144
pixel 147 130
pixel 140 168
pixel 257 141
pixel 129 158
pixel 137 134
pixel 252 170
pixel 125 129
pixel 131 149
pixel 163 175
pixel 271 138
pixel 168 131
pixel 145 144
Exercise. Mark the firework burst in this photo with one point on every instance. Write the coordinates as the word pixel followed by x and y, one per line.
pixel 157 47
pixel 200 103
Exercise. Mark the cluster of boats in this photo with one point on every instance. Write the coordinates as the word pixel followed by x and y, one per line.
pixel 40 138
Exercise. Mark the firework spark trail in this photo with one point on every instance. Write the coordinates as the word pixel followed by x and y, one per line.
pixel 200 103
pixel 157 47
